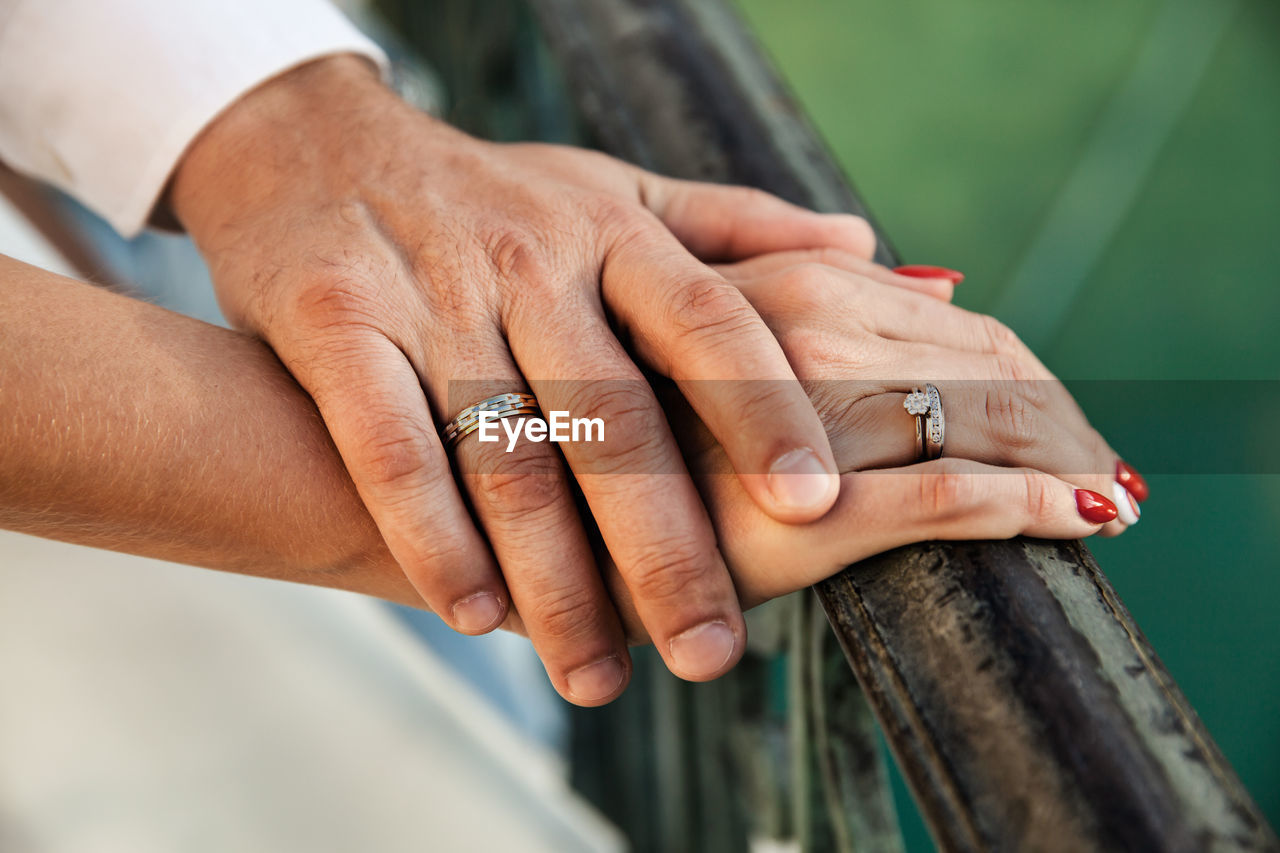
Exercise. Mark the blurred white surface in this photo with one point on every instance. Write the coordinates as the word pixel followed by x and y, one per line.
pixel 153 707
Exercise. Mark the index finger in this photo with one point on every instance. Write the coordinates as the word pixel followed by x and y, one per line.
pixel 632 476
pixel 840 261
pixel 699 330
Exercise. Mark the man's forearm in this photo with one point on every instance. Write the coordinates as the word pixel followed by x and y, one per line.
pixel 128 427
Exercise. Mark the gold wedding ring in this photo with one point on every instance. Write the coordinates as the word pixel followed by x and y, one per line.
pixel 502 406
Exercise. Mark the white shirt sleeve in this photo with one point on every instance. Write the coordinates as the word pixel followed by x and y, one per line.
pixel 102 97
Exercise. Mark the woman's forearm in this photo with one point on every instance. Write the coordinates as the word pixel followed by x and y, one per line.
pixel 129 427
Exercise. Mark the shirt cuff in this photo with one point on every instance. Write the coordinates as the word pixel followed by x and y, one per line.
pixel 102 99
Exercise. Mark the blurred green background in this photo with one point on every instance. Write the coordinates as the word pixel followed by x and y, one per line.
pixel 1108 177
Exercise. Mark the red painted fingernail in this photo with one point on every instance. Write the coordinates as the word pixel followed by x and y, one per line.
pixel 926 271
pixel 1094 507
pixel 1132 480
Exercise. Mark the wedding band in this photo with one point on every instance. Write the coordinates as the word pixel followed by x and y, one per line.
pixel 931 425
pixel 935 426
pixel 502 406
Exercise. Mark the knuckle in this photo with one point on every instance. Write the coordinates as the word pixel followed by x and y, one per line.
pixel 817 354
pixel 516 257
pixel 575 161
pixel 843 407
pixel 829 256
pixel 392 459
pixel 753 196
pixel 860 231
pixel 1035 393
pixel 809 286
pixel 443 555
pixel 629 451
pixel 744 197
pixel 1037 500
pixel 944 492
pixel 1011 369
pixel 562 614
pixel 670 571
pixel 1102 450
pixel 999 337
pixel 1014 420
pixel 636 429
pixel 636 453
pixel 770 395
pixel 711 307
pixel 335 301
pixel 516 487
pixel 615 216
pixel 613 400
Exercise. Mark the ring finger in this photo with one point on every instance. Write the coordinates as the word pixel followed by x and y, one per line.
pixel 1009 424
pixel 941 341
pixel 520 492
pixel 1014 372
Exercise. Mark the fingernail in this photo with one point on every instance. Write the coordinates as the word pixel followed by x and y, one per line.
pixel 704 650
pixel 1094 508
pixel 596 681
pixel 1132 480
pixel 926 271
pixel 1126 506
pixel 798 480
pixel 477 613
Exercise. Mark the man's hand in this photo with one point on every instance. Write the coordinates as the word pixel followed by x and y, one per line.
pixel 384 256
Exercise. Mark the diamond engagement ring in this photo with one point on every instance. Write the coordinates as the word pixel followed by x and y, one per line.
pixel 931 425
pixel 917 405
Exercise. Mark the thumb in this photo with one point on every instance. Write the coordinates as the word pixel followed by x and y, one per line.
pixel 726 223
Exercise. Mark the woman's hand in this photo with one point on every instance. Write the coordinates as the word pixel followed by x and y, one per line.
pixel 188 442
pixel 390 260
pixel 1018 449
